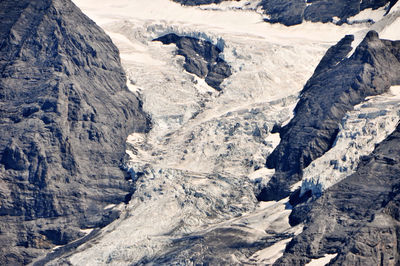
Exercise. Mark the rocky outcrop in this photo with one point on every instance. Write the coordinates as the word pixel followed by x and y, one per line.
pixel 65 113
pixel 358 218
pixel 293 12
pixel 219 246
pixel 287 12
pixel 201 58
pixel 337 85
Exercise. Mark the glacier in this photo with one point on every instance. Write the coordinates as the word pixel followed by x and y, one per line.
pixel 201 164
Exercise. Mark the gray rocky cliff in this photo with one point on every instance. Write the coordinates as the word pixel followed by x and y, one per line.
pixel 358 218
pixel 293 12
pixel 65 113
pixel 201 58
pixel 337 85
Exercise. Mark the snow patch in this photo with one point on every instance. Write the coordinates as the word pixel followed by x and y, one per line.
pixel 395 8
pixel 335 20
pixel 322 261
pixel 369 15
pixel 109 206
pixel 271 212
pixel 392 32
pixel 262 175
pixel 387 27
pixel 269 255
pixel 86 231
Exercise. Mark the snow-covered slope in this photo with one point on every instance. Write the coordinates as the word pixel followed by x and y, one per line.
pixel 200 165
pixel 387 27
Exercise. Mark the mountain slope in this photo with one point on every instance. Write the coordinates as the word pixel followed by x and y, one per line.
pixel 357 219
pixel 65 114
pixel 293 12
pixel 338 84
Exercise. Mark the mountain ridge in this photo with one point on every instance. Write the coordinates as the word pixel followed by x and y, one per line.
pixel 336 86
pixel 294 12
pixel 62 87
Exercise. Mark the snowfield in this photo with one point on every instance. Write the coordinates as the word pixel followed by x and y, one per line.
pixel 200 165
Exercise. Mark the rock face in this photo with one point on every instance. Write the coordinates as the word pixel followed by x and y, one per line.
pixel 358 218
pixel 215 247
pixel 201 58
pixel 283 11
pixel 293 12
pixel 65 113
pixel 337 85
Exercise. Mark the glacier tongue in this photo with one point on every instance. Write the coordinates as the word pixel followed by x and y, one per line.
pixel 191 171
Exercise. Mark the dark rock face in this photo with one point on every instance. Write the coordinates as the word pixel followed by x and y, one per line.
pixel 358 218
pixel 65 113
pixel 201 58
pixel 292 12
pixel 338 84
pixel 284 11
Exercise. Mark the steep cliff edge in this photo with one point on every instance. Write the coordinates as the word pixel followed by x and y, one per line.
pixel 293 12
pixel 337 85
pixel 357 219
pixel 65 113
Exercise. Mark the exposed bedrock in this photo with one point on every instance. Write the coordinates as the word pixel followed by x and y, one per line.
pixel 358 218
pixel 337 85
pixel 65 113
pixel 219 246
pixel 201 58
pixel 293 12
